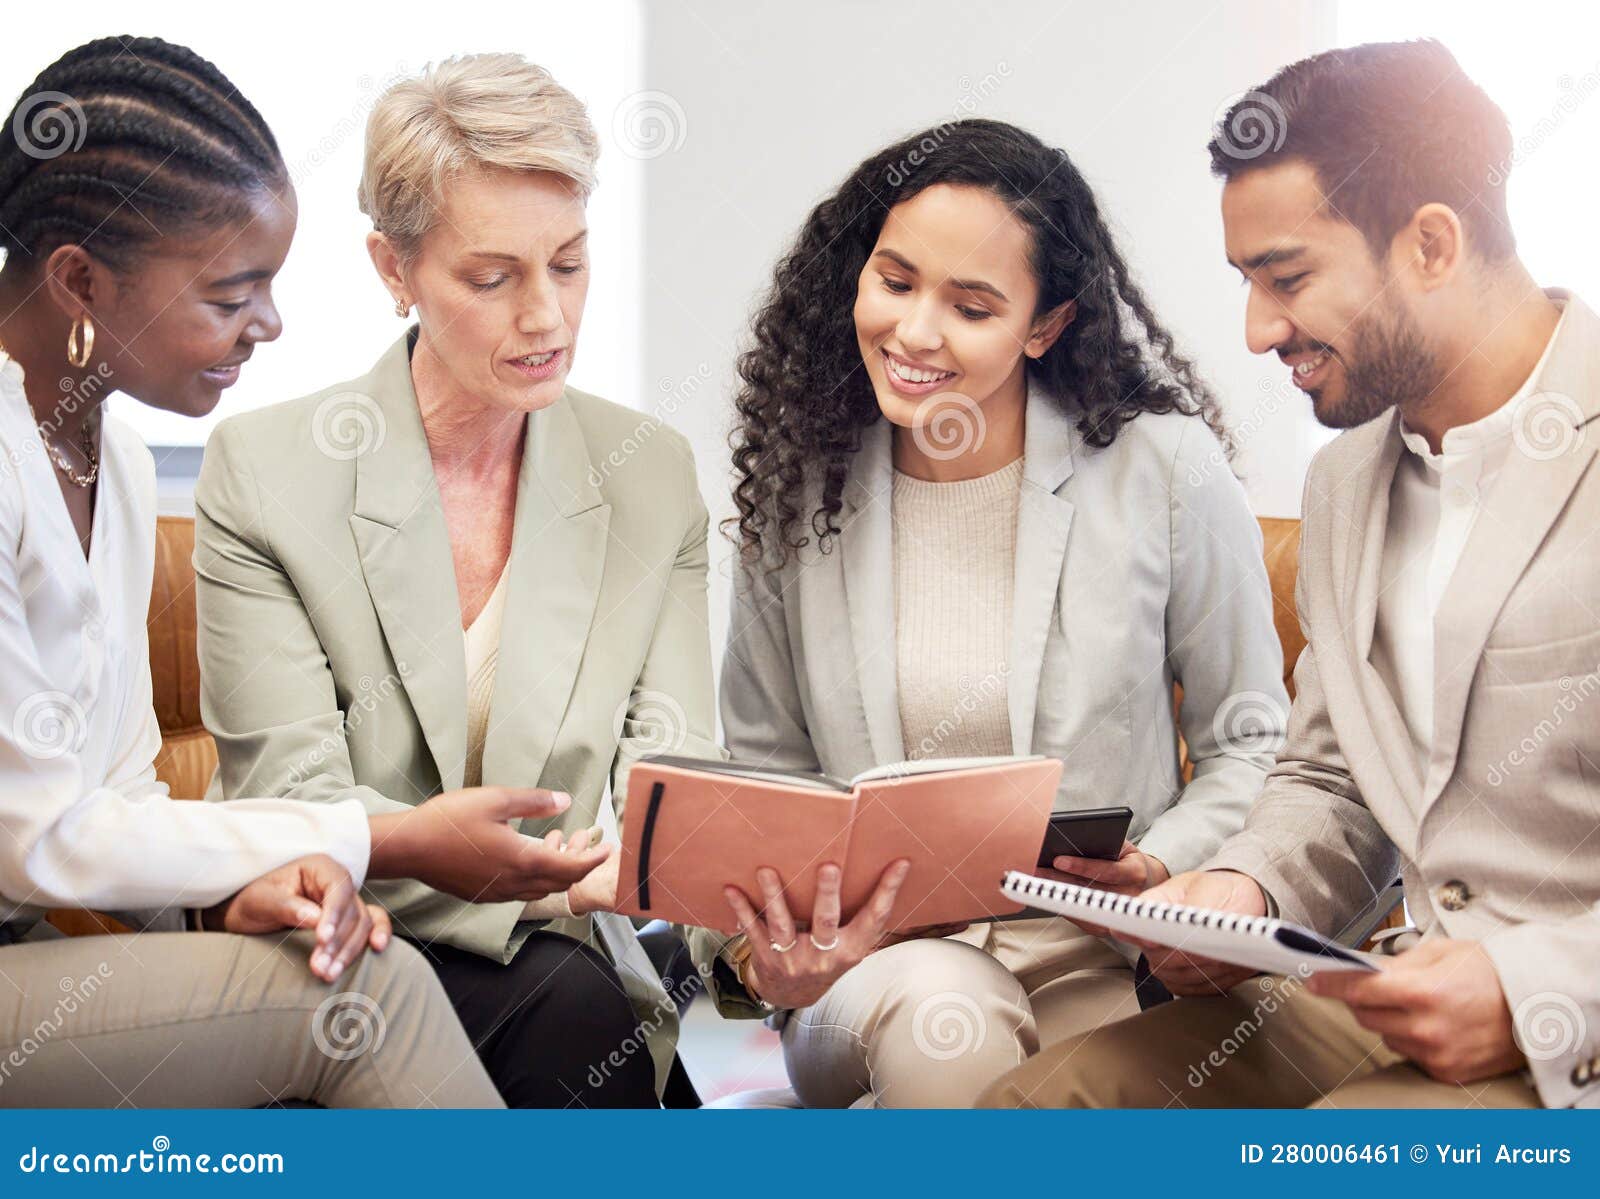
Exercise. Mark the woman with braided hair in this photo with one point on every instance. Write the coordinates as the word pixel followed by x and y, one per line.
pixel 984 508
pixel 144 210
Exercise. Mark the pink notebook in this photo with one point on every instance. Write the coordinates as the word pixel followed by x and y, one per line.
pixel 693 827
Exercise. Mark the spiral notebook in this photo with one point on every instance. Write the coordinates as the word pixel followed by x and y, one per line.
pixel 1260 942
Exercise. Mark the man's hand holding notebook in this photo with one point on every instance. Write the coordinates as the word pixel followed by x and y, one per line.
pixel 1247 940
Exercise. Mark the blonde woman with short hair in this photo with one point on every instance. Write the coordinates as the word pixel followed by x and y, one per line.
pixel 423 579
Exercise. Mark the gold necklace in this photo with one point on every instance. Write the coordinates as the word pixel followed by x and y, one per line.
pixel 90 455
pixel 85 441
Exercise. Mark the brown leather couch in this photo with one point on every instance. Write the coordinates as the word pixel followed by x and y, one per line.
pixel 188 755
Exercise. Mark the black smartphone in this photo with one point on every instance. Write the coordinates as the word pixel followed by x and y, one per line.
pixel 1090 833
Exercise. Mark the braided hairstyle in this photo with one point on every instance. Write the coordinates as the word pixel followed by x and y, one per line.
pixel 125 140
pixel 806 398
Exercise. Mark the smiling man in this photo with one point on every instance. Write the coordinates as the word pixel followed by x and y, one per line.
pixel 1450 594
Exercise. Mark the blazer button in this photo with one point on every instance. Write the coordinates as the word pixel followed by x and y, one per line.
pixel 1453 895
pixel 1583 1074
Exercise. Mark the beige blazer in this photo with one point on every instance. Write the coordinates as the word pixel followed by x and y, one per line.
pixel 1500 843
pixel 1137 565
pixel 330 636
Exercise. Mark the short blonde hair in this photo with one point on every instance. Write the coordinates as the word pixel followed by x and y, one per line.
pixel 464 114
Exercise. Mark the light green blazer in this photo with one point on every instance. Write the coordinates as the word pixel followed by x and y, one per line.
pixel 331 651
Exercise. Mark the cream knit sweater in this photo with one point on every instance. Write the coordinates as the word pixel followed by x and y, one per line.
pixel 955 548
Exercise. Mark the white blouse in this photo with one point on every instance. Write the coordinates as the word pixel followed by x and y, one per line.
pixel 83 821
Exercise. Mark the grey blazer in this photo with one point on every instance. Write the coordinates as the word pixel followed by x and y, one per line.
pixel 1500 843
pixel 1137 565
pixel 330 631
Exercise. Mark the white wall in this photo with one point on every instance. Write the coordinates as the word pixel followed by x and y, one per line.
pixel 775 107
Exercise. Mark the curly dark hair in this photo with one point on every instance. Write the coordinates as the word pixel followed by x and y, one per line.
pixel 806 398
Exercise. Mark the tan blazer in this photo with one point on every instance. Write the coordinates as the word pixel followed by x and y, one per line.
pixel 1501 842
pixel 330 636
pixel 1136 565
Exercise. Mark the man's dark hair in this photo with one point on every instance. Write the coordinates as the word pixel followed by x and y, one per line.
pixel 1387 127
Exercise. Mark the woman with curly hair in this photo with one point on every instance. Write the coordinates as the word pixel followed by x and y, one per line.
pixel 984 508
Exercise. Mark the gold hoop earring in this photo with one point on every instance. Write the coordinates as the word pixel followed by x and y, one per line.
pixel 401 308
pixel 80 341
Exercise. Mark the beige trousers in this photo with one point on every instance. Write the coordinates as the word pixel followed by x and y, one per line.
pixel 213 1020
pixel 1268 1043
pixel 931 1023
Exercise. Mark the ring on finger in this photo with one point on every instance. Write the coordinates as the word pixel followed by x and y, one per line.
pixel 816 944
pixel 776 948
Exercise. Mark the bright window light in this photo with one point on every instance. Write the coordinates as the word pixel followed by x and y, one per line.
pixel 1540 62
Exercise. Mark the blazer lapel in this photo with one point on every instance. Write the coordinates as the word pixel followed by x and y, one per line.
pixel 399 528
pixel 866 551
pixel 1369 485
pixel 1044 519
pixel 1532 488
pixel 1369 521
pixel 558 554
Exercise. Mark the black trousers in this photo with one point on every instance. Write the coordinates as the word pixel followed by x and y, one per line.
pixel 552 1026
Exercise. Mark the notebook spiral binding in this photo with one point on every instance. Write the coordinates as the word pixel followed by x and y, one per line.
pixel 1021 887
